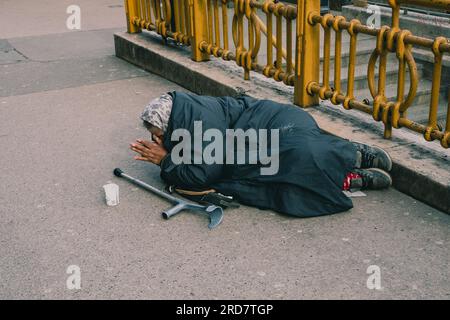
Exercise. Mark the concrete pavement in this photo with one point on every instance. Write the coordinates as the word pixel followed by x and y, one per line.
pixel 66 118
pixel 31 18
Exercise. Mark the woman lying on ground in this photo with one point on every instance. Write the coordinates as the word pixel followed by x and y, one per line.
pixel 313 167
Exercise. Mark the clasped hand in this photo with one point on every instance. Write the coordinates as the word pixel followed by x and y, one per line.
pixel 149 151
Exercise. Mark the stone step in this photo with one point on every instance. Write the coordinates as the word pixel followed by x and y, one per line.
pixel 420 113
pixel 420 107
pixel 361 76
pixel 365 46
pixel 362 57
pixel 362 60
pixel 346 37
pixel 422 25
pixel 364 49
pixel 423 95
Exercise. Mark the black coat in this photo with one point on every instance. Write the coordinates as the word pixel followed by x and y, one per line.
pixel 312 163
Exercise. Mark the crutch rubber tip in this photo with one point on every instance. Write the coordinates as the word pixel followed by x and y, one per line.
pixel 118 172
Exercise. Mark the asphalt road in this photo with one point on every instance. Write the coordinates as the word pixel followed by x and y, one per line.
pixel 69 108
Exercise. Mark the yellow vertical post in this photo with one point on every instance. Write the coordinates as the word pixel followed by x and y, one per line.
pixel 436 87
pixel 131 12
pixel 445 142
pixel 307 60
pixel 176 16
pixel 225 29
pixel 216 24
pixel 288 50
pixel 269 65
pixel 279 32
pixel 183 22
pixel 210 22
pixel 199 29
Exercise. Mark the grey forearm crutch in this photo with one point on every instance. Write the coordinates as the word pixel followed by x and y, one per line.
pixel 214 213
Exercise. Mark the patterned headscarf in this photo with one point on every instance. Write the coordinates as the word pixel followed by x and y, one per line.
pixel 157 112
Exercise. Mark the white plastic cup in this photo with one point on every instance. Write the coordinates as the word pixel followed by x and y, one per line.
pixel 111 194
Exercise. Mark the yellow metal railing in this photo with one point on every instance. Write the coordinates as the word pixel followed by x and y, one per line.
pixel 158 15
pixel 388 40
pixel 204 25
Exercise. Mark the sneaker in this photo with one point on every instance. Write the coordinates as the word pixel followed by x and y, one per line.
pixel 372 178
pixel 372 157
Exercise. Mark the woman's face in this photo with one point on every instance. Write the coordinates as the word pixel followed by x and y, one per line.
pixel 154 130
